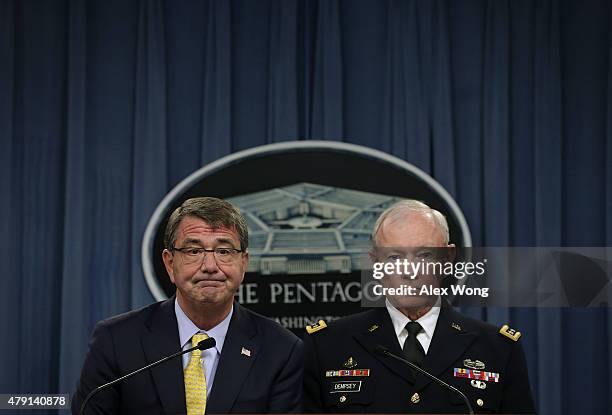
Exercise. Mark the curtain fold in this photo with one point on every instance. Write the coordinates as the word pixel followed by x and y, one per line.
pixel 38 165
pixel 548 201
pixel 216 107
pixel 496 133
pixel 327 105
pixel 74 317
pixel 608 201
pixel 282 87
pixel 608 140
pixel 149 174
pixel 405 123
pixel 439 57
pixel 9 208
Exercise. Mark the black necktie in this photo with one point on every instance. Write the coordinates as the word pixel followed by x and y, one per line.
pixel 413 351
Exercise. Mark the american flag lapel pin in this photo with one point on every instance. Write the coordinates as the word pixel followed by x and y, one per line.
pixel 246 352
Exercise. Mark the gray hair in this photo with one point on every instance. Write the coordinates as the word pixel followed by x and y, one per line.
pixel 216 212
pixel 403 208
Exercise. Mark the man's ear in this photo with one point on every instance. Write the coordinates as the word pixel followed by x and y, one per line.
pixel 245 259
pixel 245 263
pixel 168 263
pixel 372 255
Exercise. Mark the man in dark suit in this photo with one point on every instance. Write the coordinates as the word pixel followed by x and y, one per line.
pixel 345 371
pixel 256 365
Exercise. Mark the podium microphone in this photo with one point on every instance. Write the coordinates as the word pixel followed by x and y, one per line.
pixel 203 345
pixel 385 352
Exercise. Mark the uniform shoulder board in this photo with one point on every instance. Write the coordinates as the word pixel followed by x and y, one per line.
pixel 510 333
pixel 316 327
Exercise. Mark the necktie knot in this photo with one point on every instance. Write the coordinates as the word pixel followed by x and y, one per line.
pixel 197 338
pixel 412 350
pixel 413 328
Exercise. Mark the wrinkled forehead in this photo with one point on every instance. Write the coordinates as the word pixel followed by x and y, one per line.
pixel 411 229
pixel 194 228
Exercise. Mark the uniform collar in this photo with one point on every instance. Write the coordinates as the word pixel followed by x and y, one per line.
pixel 187 328
pixel 428 321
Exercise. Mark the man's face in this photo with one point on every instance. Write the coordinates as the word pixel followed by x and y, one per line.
pixel 205 281
pixel 411 237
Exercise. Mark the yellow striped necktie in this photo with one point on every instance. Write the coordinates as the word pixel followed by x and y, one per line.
pixel 195 380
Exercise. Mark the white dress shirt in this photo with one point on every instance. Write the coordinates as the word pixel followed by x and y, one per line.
pixel 427 321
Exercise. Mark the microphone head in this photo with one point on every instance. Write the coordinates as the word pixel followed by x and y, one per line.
pixel 381 349
pixel 207 343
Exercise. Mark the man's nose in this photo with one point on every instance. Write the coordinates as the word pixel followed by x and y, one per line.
pixel 209 263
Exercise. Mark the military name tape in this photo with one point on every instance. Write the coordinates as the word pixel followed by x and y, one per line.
pixel 341 387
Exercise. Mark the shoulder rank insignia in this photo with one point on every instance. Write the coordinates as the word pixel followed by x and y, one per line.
pixel 316 327
pixel 510 333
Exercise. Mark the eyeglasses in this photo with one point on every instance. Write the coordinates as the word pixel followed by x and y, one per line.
pixel 195 254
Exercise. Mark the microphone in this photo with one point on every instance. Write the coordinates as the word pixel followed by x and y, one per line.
pixel 385 352
pixel 203 345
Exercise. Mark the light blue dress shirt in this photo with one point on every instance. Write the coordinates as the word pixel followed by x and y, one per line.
pixel 211 356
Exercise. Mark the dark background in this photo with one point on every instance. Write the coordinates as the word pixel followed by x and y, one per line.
pixel 106 105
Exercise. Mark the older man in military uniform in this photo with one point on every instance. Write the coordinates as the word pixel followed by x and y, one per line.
pixel 345 371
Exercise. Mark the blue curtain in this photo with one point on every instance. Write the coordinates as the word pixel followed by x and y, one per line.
pixel 106 105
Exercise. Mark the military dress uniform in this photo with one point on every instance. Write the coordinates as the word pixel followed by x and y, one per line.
pixel 343 373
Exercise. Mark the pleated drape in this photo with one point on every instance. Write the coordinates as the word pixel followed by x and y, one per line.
pixel 9 341
pixel 75 317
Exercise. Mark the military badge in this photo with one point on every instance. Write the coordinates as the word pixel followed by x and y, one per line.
pixel 350 363
pixel 478 384
pixel 474 364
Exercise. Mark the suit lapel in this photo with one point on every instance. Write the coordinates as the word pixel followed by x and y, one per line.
pixel 449 342
pixel 234 363
pixel 162 340
pixel 384 335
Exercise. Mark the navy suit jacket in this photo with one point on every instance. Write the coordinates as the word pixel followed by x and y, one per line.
pixel 269 380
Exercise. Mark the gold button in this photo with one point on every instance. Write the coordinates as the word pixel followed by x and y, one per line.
pixel 479 402
pixel 415 398
pixel 343 398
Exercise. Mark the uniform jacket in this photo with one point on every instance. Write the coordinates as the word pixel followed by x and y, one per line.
pixel 379 384
pixel 269 380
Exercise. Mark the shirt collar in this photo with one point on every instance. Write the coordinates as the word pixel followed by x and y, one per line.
pixel 427 321
pixel 187 328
